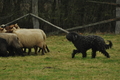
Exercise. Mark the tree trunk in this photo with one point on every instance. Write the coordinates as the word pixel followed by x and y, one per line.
pixel 35 11
pixel 117 28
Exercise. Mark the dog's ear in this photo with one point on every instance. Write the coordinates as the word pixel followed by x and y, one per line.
pixel 75 37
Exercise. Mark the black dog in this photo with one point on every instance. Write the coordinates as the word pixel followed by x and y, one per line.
pixel 83 43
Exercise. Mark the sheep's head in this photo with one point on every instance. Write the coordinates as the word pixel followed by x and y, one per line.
pixel 3 26
pixel 16 26
pixel 12 27
pixel 2 30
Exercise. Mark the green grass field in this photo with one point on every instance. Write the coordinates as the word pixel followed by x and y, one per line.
pixel 58 64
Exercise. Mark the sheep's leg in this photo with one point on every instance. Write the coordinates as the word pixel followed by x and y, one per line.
pixel 36 48
pixel 41 45
pixel 74 52
pixel 105 53
pixel 29 50
pixel 39 49
pixel 24 50
pixel 5 54
pixel 22 53
pixel 19 51
pixel 11 51
pixel 93 53
pixel 47 48
pixel 42 51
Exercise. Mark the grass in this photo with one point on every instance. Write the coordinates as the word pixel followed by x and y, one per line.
pixel 58 64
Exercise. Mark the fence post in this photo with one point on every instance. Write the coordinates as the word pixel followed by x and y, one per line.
pixel 35 11
pixel 117 28
pixel 49 23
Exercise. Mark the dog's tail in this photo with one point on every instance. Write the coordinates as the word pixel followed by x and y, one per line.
pixel 107 46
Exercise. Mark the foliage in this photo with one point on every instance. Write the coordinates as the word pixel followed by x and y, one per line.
pixel 58 64
pixel 64 13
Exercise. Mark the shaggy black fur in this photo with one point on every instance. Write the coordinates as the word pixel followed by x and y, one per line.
pixel 83 43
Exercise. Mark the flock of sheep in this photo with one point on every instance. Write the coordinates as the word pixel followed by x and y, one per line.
pixel 12 39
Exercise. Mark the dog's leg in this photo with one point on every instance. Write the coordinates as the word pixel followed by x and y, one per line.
pixel 105 53
pixel 93 53
pixel 74 52
pixel 84 54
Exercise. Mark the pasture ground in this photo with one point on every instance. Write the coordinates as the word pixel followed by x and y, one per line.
pixel 58 64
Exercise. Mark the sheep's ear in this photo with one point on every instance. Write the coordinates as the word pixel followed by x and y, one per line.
pixel 1 29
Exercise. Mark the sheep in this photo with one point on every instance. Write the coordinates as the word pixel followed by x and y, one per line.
pixel 3 47
pixel 83 43
pixel 13 42
pixel 30 39
pixel 44 36
pixel 14 27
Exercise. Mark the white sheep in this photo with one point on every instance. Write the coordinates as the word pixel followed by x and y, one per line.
pixel 44 37
pixel 30 39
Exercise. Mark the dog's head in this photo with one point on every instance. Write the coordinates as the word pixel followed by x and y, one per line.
pixel 72 36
